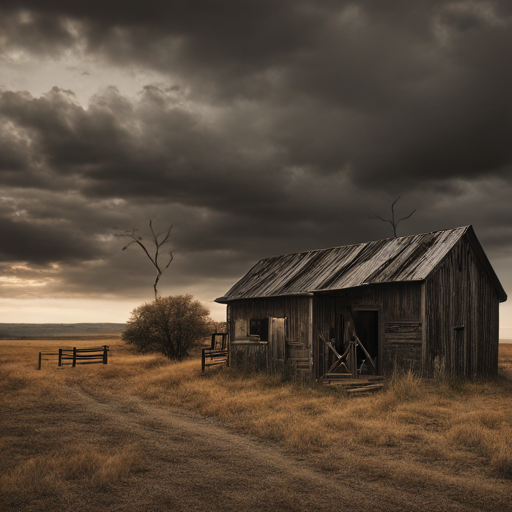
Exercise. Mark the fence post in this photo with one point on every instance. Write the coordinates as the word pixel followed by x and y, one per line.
pixel 203 362
pixel 39 361
pixel 105 354
pixel 74 357
pixel 60 357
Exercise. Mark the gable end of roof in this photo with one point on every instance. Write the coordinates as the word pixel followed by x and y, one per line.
pixel 486 264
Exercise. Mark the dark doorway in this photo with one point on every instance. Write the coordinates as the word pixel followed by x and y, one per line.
pixel 367 329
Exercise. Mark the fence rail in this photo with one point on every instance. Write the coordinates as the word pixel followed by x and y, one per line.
pixel 217 353
pixel 71 356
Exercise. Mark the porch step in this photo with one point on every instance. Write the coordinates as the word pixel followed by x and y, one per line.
pixel 366 390
pixel 369 383
pixel 348 377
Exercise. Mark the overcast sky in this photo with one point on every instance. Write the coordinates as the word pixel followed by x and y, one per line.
pixel 256 128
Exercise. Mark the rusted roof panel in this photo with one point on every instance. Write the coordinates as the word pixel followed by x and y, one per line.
pixel 408 258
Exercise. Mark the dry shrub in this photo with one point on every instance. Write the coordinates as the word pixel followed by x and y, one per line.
pixel 49 474
pixel 405 386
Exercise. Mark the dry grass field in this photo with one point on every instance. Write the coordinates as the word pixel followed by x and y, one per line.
pixel 145 434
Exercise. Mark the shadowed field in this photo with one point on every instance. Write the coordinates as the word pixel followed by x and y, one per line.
pixel 145 434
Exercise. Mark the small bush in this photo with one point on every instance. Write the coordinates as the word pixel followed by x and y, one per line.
pixel 170 325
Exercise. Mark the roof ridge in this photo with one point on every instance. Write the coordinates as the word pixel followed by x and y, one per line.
pixel 363 243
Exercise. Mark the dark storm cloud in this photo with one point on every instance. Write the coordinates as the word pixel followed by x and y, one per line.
pixel 278 125
pixel 41 243
pixel 424 85
pixel 154 147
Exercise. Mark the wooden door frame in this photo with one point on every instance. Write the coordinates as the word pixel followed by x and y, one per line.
pixel 380 329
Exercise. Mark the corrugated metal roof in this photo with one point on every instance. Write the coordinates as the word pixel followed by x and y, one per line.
pixel 407 258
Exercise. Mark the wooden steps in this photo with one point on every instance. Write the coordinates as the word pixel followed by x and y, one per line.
pixel 360 386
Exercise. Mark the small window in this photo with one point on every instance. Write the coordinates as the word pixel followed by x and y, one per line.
pixel 259 328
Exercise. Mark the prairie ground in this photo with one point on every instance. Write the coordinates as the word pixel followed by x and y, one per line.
pixel 142 433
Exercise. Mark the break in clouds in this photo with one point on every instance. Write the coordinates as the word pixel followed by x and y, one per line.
pixel 273 127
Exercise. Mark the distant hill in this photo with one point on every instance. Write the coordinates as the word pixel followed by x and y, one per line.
pixel 37 331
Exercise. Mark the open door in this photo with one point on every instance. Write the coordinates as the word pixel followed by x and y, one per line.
pixel 277 341
pixel 366 323
pixel 353 348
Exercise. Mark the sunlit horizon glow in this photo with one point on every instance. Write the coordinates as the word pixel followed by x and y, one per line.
pixel 71 311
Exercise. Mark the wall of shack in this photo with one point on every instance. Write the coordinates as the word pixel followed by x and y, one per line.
pixel 253 353
pixel 447 324
pixel 461 317
pixel 399 309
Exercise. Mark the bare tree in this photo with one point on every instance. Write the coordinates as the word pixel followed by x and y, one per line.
pixel 393 223
pixel 158 240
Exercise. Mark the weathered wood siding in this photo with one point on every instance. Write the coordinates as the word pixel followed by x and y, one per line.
pixel 461 312
pixel 249 356
pixel 297 312
pixel 402 345
pixel 400 323
pixel 448 323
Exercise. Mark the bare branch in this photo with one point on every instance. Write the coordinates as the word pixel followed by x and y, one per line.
pixel 394 224
pixel 380 218
pixel 403 218
pixel 158 242
pixel 376 216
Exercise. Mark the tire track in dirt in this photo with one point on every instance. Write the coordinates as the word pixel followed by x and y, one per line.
pixel 196 464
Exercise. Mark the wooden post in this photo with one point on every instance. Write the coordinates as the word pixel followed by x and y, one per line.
pixel 105 354
pixel 39 361
pixel 60 357
pixel 203 362
pixel 353 357
pixel 74 357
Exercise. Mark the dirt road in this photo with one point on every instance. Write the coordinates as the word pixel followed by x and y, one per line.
pixel 194 464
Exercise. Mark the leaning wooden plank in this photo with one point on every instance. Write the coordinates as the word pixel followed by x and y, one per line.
pixel 365 389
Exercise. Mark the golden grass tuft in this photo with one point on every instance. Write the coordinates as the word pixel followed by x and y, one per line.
pixel 405 386
pixel 49 474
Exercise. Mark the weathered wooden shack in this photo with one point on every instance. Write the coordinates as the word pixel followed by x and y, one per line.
pixel 427 302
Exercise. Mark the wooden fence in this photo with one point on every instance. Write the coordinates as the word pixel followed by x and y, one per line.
pixel 71 356
pixel 217 353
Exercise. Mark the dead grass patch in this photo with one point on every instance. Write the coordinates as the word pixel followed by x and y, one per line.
pixel 417 432
pixel 47 474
